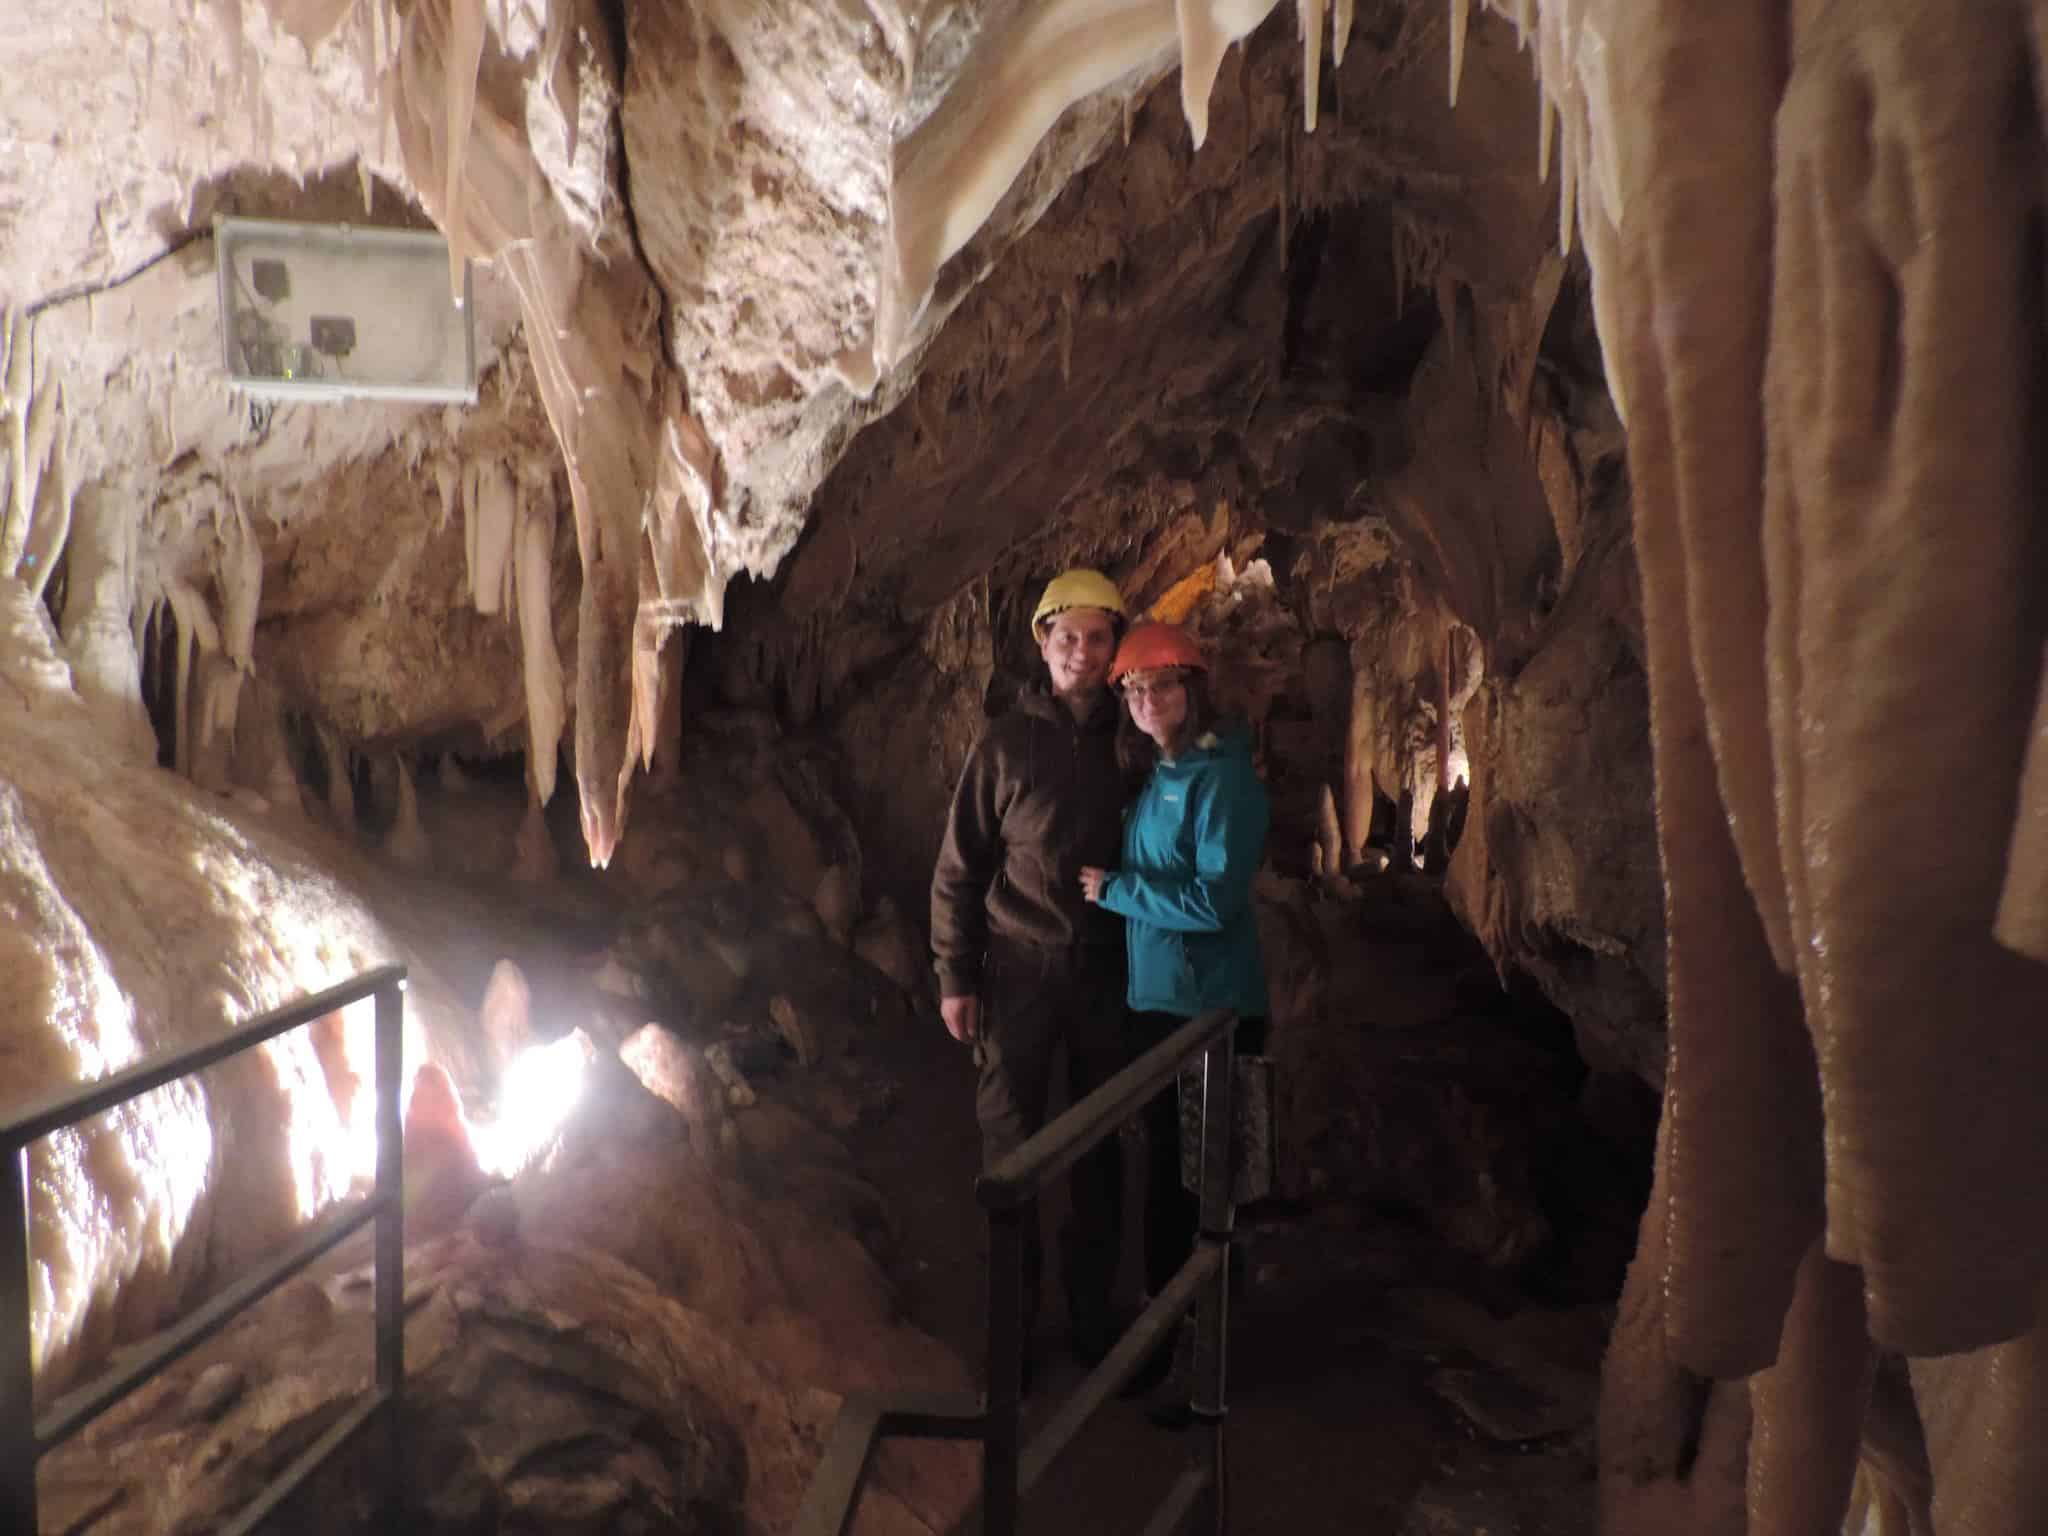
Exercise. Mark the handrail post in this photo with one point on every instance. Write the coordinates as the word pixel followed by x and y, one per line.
pixel 390 1235
pixel 1006 1346
pixel 17 1378
pixel 1219 1073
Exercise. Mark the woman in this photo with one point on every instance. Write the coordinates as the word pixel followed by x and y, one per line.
pixel 1192 842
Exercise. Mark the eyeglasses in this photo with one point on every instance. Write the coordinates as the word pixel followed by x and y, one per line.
pixel 1156 688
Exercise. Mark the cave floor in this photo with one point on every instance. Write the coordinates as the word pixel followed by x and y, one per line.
pixel 1379 1382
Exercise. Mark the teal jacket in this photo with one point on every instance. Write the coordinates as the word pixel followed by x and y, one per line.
pixel 1192 843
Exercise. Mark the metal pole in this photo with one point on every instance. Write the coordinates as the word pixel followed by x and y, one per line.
pixel 390 1237
pixel 1006 1346
pixel 17 1370
pixel 1212 1312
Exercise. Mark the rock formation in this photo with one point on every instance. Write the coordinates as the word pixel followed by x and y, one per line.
pixel 1622 404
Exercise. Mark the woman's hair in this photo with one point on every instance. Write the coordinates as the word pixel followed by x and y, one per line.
pixel 1136 753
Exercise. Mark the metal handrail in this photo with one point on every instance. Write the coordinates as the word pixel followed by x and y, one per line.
pixel 24 1438
pixel 1008 1193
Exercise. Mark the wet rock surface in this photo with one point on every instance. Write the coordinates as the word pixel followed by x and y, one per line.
pixel 649 1328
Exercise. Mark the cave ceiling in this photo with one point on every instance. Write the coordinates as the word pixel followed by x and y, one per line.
pixel 742 271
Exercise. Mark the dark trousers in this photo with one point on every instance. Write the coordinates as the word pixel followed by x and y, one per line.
pixel 1032 1007
pixel 1172 1212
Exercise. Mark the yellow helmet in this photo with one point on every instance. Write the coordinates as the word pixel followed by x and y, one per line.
pixel 1078 588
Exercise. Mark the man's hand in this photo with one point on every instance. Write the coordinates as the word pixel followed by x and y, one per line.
pixel 1091 881
pixel 963 1018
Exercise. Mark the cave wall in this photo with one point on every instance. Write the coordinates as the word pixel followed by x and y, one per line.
pixel 1257 355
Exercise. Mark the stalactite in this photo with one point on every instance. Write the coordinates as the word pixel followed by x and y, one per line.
pixel 448 483
pixel 493 512
pixel 1568 185
pixel 953 169
pixel 464 60
pixel 1286 217
pixel 1310 15
pixel 1067 336
pixel 668 745
pixel 51 526
pixel 1207 28
pixel 1341 14
pixel 644 724
pixel 196 631
pixel 25 467
pixel 541 667
pixel 1461 22
pixel 240 578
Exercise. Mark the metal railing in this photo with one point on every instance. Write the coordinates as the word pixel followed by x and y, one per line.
pixel 1008 1193
pixel 25 1437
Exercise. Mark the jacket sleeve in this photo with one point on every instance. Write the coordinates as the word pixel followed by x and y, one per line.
pixel 969 858
pixel 1230 842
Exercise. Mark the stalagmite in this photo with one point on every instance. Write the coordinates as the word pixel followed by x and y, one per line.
pixel 341 790
pixel 1329 836
pixel 533 853
pixel 1899 388
pixel 1983 1414
pixel 1807 1410
pixel 407 842
pixel 100 620
pixel 1673 1447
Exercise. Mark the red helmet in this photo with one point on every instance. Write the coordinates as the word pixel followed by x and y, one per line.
pixel 1149 646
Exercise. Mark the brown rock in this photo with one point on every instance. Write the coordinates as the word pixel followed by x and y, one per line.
pixel 506 1015
pixel 790 848
pixel 885 942
pixel 216 1389
pixel 837 901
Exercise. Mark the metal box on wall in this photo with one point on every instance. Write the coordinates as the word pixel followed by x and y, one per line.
pixel 330 311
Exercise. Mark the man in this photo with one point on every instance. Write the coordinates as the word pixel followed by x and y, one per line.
pixel 1025 963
